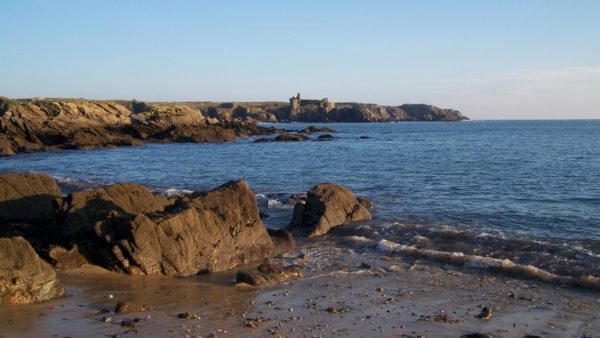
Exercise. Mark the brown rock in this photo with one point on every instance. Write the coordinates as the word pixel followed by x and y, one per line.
pixel 126 307
pixel 27 197
pixel 40 124
pixel 367 204
pixel 24 277
pixel 269 272
pixel 287 137
pixel 67 259
pixel 211 231
pixel 327 206
pixel 314 129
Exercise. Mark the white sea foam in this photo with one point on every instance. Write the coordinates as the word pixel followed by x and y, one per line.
pixel 483 262
pixel 274 203
pixel 362 240
pixel 173 192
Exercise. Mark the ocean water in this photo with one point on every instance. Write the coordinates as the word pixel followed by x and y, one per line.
pixel 523 191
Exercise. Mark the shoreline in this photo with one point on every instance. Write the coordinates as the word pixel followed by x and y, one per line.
pixel 342 294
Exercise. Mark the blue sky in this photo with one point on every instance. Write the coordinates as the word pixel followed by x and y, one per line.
pixel 489 59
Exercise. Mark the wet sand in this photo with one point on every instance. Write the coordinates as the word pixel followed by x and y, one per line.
pixel 343 293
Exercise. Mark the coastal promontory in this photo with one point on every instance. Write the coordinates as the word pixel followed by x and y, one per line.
pixel 30 125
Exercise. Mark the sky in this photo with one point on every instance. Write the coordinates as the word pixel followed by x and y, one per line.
pixel 489 59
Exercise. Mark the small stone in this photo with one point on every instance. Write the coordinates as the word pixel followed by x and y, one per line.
pixel 486 313
pixel 187 316
pixel 126 307
pixel 128 323
pixel 364 265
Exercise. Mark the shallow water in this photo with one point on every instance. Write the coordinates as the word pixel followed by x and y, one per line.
pixel 528 191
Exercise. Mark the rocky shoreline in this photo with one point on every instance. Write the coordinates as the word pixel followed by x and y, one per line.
pixel 30 125
pixel 121 245
pixel 126 228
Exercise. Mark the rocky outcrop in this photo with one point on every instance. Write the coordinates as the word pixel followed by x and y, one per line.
pixel 211 231
pixel 314 129
pixel 27 197
pixel 38 125
pixel 361 112
pixel 127 228
pixel 327 206
pixel 290 137
pixel 284 137
pixel 24 277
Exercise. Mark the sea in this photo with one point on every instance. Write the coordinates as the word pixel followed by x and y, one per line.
pixel 516 196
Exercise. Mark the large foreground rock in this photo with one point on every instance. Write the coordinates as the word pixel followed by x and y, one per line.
pixel 127 228
pixel 24 277
pixel 27 197
pixel 327 206
pixel 211 231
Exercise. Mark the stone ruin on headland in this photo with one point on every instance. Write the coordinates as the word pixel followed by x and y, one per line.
pixel 296 104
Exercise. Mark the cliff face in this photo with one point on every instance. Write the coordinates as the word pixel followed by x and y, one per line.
pixel 361 112
pixel 39 125
pixel 343 112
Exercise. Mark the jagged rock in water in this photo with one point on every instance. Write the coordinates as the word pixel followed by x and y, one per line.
pixel 327 206
pixel 290 137
pixel 314 129
pixel 24 276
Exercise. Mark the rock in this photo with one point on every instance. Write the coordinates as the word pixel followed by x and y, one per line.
pixel 364 137
pixel 211 231
pixel 364 265
pixel 129 323
pixel 327 206
pixel 297 197
pixel 298 215
pixel 85 209
pixel 476 335
pixel 269 272
pixel 27 197
pixel 290 137
pixel 24 276
pixel 187 316
pixel 263 140
pixel 334 310
pixel 67 259
pixel 40 124
pixel 126 307
pixel 367 204
pixel 486 313
pixel 325 137
pixel 314 129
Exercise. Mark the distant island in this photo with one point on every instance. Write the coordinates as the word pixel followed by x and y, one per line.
pixel 42 124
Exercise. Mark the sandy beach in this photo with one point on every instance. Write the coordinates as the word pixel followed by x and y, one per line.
pixel 343 293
